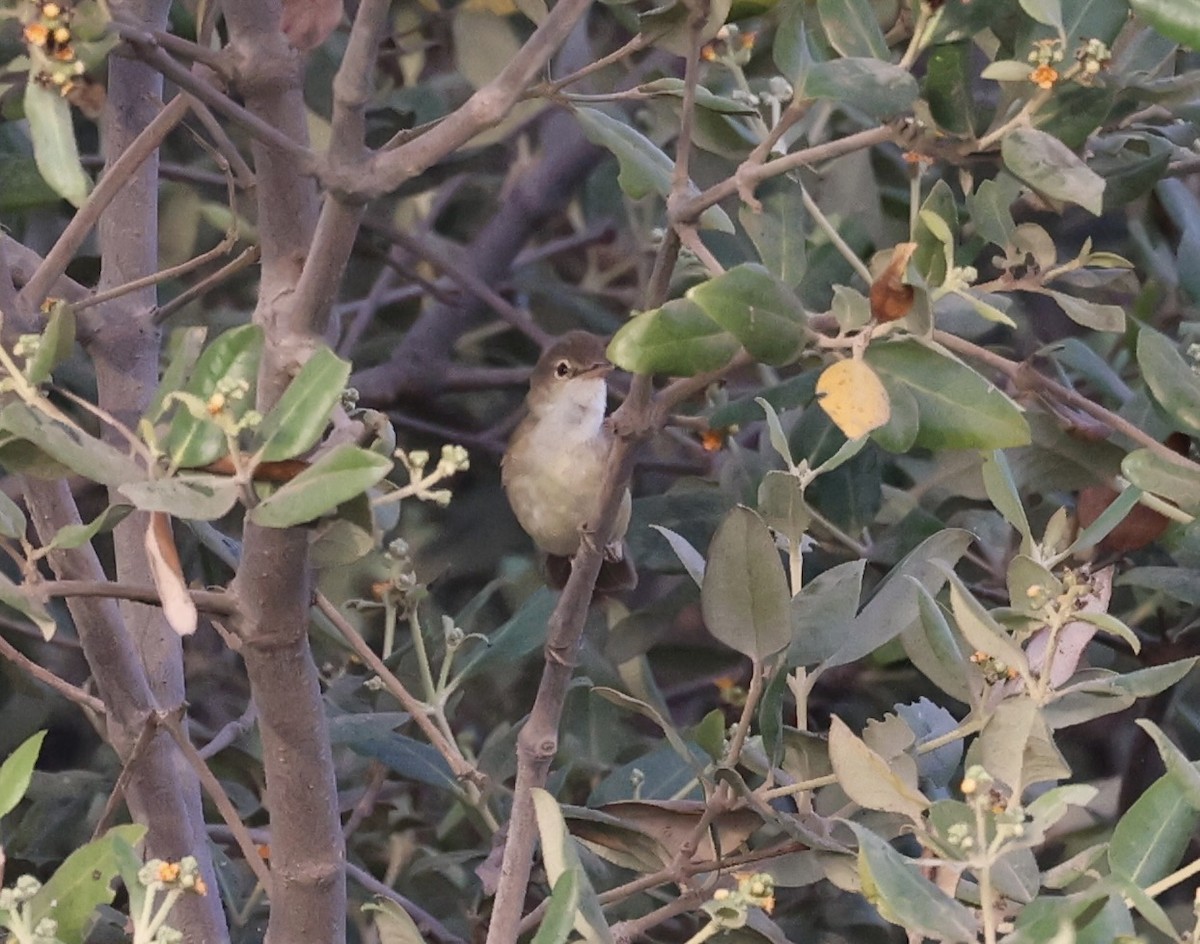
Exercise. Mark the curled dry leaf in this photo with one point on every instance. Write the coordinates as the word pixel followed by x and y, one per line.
pixel 853 396
pixel 891 298
pixel 177 604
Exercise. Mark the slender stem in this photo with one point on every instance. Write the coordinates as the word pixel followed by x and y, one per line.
pixel 1026 376
pixel 987 898
pixel 216 793
pixel 753 695
pixel 423 666
pixel 411 704
pixel 1175 878
pixel 834 236
pixel 49 679
pixel 110 184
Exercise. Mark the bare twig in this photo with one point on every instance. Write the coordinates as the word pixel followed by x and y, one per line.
pixel 749 176
pixel 158 59
pixel 487 106
pixel 219 797
pixel 230 732
pixel 210 601
pixel 461 767
pixel 246 259
pixel 1025 376
pixel 109 185
pixel 49 679
pixel 466 278
pixel 145 736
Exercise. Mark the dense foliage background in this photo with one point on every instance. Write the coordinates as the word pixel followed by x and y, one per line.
pixel 904 298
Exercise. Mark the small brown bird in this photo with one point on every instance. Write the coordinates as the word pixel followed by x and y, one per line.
pixel 554 466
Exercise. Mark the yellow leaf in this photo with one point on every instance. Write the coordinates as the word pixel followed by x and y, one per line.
pixel 852 395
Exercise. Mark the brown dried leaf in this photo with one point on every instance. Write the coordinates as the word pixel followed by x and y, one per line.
pixel 891 298
pixel 177 604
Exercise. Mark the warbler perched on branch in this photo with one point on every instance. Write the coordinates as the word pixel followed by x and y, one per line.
pixel 554 467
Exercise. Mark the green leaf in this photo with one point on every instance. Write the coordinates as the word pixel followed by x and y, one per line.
pixel 393 924
pixel 1150 840
pixel 521 635
pixel 959 408
pixel 779 440
pixel 1107 623
pixel 1052 169
pixel 668 25
pixel 1092 315
pixel 82 883
pixel 559 918
pixel 24 187
pixel 1146 906
pixel 878 88
pixel 764 315
pixel 232 358
pixel 782 505
pixel 302 412
pixel 899 433
pixel 560 857
pixel 70 445
pixel 990 208
pixel 1002 491
pixel 852 28
pixel 76 535
pixel 1146 682
pixel 53 133
pixel 17 771
pixel 1179 583
pixel 937 652
pixel 745 595
pixel 777 229
pixel 894 606
pixel 947 87
pixel 934 256
pixel 1170 378
pixel 1016 748
pixel 199 497
pixel 12 519
pixel 372 735
pixel 184 347
pixel 903 896
pixel 1176 19
pixel 16 597
pixel 981 630
pixel 645 169
pixel 1046 12
pixel 823 612
pixel 1108 519
pixel 1179 768
pixel 1162 476
pixel 866 777
pixel 57 343
pixel 646 710
pixel 1007 70
pixel 336 477
pixel 678 339
pixel 692 559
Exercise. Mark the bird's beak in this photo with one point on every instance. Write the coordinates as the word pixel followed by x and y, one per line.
pixel 599 369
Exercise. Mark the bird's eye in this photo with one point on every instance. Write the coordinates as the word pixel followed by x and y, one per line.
pixel 562 369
